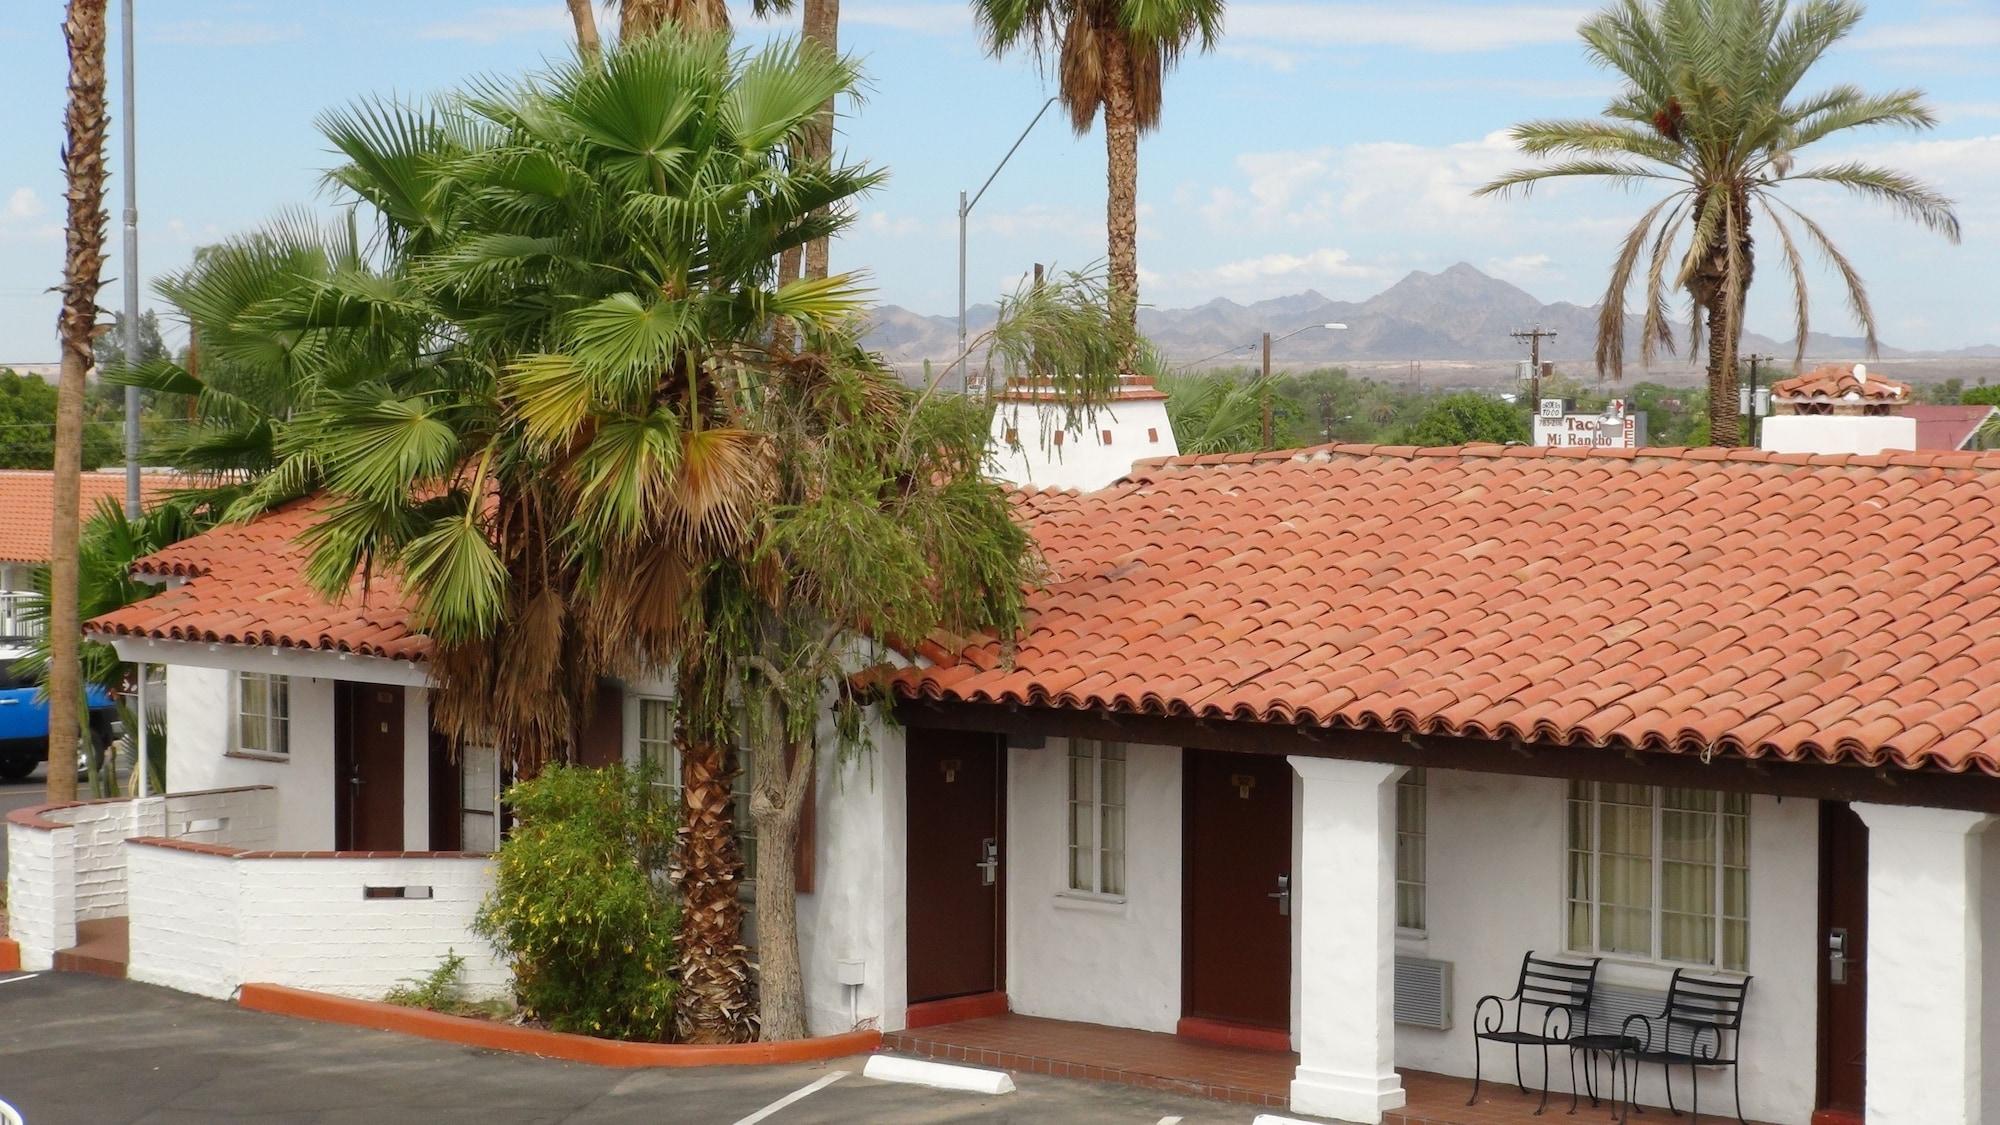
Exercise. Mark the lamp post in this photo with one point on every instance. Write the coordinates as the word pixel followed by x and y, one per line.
pixel 131 271
pixel 965 207
pixel 1264 392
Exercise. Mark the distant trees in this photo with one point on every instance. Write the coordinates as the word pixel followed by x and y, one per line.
pixel 1467 416
pixel 28 426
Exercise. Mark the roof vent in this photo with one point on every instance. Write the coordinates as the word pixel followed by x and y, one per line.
pixel 1861 374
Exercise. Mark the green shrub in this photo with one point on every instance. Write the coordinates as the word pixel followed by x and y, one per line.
pixel 578 909
pixel 1980 396
pixel 436 990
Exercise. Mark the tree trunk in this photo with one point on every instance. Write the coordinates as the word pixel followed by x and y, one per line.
pixel 587 45
pixel 644 17
pixel 1724 424
pixel 1121 146
pixel 714 1004
pixel 781 986
pixel 83 265
pixel 821 25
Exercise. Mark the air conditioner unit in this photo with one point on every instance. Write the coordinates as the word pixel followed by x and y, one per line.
pixel 1423 992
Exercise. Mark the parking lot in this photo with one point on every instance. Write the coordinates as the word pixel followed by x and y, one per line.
pixel 80 1050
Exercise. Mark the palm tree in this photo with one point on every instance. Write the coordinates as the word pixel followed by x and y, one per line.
pixel 84 124
pixel 584 19
pixel 1114 55
pixel 1216 413
pixel 1711 110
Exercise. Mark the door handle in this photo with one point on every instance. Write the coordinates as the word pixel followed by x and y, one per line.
pixel 989 867
pixel 1284 895
pixel 1836 955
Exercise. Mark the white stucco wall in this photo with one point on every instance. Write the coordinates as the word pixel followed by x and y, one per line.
pixel 207 923
pixel 1495 852
pixel 1836 433
pixel 41 893
pixel 1070 957
pixel 1989 854
pixel 199 718
pixel 1084 461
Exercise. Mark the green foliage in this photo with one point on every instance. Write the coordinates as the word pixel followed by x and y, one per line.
pixel 1219 413
pixel 28 426
pixel 1980 396
pixel 1468 416
pixel 437 990
pixel 581 908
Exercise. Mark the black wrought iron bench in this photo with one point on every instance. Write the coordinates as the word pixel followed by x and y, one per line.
pixel 1560 989
pixel 1700 1025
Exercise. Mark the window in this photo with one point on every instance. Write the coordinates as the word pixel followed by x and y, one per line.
pixel 1662 874
pixel 263 713
pixel 479 798
pixel 1412 807
pixel 656 748
pixel 1096 817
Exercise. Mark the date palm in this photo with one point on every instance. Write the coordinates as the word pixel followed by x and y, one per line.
pixel 1711 110
pixel 83 267
pixel 1112 55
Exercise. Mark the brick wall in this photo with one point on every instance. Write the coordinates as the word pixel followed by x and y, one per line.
pixel 41 893
pixel 205 920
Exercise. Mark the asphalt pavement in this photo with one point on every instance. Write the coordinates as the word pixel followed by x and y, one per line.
pixel 78 1050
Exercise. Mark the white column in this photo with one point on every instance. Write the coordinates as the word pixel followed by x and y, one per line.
pixel 1344 892
pixel 1923 963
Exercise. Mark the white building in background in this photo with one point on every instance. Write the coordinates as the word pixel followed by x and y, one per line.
pixel 1838 408
pixel 1035 445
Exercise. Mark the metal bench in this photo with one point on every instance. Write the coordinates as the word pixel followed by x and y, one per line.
pixel 1560 988
pixel 1700 1025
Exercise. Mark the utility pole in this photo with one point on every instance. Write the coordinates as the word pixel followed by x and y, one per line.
pixel 1534 337
pixel 131 275
pixel 1264 392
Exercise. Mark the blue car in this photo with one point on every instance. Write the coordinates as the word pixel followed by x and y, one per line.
pixel 24 721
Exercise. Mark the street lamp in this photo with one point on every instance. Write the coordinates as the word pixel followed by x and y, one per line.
pixel 1265 387
pixel 965 207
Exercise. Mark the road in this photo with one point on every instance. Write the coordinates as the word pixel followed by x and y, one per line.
pixel 77 1050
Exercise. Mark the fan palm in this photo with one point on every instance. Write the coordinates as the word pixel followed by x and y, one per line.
pixel 1711 110
pixel 1216 413
pixel 1113 55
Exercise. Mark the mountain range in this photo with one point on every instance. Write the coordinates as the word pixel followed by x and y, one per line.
pixel 1458 314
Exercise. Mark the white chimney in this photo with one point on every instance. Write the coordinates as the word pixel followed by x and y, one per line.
pixel 1861 373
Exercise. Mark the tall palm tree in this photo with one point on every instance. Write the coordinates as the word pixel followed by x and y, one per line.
pixel 820 23
pixel 1113 55
pixel 1711 110
pixel 84 123
pixel 584 19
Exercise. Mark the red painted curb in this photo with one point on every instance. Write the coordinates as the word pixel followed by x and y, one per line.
pixel 10 955
pixel 930 1013
pixel 535 1041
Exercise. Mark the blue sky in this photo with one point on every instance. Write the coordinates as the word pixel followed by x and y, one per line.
pixel 1328 145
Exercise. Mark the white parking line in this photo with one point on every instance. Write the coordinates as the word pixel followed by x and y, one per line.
pixel 25 976
pixel 797 1095
pixel 1169 1121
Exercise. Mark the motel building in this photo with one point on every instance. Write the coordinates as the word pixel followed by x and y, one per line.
pixel 1300 756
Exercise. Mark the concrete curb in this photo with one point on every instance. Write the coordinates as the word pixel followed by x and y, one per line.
pixel 937 1075
pixel 492 1036
pixel 10 955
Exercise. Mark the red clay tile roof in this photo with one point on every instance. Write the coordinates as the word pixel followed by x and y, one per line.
pixel 1833 382
pixel 1029 502
pixel 27 504
pixel 1804 607
pixel 245 584
pixel 1946 427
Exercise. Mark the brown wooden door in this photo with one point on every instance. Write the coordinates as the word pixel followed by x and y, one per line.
pixel 1238 959
pixel 954 900
pixel 1843 991
pixel 368 759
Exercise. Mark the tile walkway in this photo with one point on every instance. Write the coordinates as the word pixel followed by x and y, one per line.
pixel 1233 1074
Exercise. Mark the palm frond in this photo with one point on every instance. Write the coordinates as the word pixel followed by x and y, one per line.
pixel 1910 196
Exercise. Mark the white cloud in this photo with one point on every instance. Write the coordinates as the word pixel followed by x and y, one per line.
pixel 1947 32
pixel 928 19
pixel 1520 266
pixel 1321 265
pixel 490 25
pixel 1419 185
pixel 1443 27
pixel 225 33
pixel 23 203
pixel 1269 58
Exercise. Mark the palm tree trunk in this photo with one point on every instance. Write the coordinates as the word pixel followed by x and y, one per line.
pixel 587 44
pixel 83 266
pixel 1121 145
pixel 1724 424
pixel 714 1004
pixel 778 806
pixel 821 24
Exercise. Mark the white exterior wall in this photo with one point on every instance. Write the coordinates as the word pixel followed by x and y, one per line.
pixel 41 893
pixel 1989 843
pixel 207 923
pixel 1495 866
pixel 1097 960
pixel 199 718
pixel 1138 429
pixel 1836 433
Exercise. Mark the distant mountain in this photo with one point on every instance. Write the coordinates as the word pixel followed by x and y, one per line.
pixel 1457 314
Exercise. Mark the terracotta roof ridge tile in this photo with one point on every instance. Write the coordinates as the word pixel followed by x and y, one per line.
pixel 1981 460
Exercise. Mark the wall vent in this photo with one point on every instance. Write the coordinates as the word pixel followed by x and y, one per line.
pixel 1423 992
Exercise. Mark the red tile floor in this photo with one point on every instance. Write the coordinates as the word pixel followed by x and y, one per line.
pixel 1167 1062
